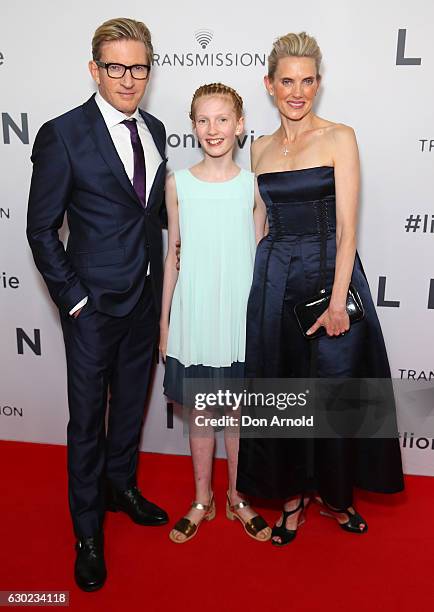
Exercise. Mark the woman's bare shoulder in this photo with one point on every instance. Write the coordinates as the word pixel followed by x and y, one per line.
pixel 261 143
pixel 339 131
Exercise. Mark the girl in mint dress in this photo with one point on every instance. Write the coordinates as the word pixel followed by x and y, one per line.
pixel 211 209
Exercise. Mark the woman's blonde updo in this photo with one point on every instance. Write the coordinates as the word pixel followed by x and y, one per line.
pixel 217 89
pixel 294 45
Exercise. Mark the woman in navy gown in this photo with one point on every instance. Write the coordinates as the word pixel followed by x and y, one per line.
pixel 308 178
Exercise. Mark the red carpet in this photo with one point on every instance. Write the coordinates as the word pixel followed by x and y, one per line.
pixel 325 569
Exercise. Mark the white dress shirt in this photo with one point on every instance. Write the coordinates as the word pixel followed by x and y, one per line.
pixel 120 135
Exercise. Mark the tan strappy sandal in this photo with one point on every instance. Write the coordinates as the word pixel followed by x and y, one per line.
pixel 253 526
pixel 187 527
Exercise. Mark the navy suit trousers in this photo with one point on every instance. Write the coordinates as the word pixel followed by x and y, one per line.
pixel 106 357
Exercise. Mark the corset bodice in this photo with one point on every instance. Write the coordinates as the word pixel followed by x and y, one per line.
pixel 299 202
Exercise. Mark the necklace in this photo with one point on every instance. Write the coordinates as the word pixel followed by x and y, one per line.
pixel 285 150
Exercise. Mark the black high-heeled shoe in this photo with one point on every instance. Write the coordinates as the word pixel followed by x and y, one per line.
pixel 287 535
pixel 355 520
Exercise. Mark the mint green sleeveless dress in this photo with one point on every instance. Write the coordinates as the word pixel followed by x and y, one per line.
pixel 207 331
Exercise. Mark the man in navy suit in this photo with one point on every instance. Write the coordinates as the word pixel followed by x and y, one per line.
pixel 104 164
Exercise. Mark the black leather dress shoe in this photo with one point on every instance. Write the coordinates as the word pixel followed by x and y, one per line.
pixel 90 570
pixel 139 509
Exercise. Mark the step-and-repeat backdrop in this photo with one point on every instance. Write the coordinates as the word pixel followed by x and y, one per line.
pixel 377 77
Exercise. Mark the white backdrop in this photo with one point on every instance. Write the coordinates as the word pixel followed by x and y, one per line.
pixel 44 50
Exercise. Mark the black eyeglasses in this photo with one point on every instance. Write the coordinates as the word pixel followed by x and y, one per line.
pixel 117 71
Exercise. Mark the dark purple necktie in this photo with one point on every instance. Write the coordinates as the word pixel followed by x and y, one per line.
pixel 139 178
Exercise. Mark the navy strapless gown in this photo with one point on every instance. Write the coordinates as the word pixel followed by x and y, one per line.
pixel 286 272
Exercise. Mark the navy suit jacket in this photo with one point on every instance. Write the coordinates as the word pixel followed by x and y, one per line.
pixel 76 169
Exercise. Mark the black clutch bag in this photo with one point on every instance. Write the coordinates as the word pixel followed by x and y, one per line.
pixel 307 312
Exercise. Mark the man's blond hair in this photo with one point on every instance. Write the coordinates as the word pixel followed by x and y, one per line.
pixel 118 29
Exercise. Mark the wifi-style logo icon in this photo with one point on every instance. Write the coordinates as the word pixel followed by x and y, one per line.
pixel 204 37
